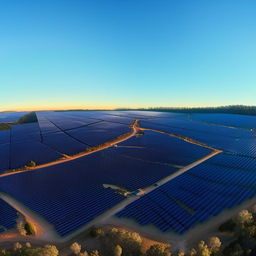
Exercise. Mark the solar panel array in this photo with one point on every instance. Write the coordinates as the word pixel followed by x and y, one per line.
pixel 196 195
pixel 235 141
pixel 57 134
pixel 5 136
pixel 8 216
pixel 4 157
pixel 99 133
pixel 25 132
pixel 23 152
pixel 242 121
pixel 74 194
pixel 233 161
pixel 190 126
pixel 160 148
pixel 63 143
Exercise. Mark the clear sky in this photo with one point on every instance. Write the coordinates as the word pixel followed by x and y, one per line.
pixel 126 53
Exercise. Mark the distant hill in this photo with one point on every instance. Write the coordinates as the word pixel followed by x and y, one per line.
pixel 28 118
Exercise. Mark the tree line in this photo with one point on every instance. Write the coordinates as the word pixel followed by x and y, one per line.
pixel 231 109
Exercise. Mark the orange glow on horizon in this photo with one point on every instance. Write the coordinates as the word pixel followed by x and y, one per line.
pixel 56 107
pixel 49 107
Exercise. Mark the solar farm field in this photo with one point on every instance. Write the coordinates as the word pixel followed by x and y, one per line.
pixel 190 168
pixel 76 185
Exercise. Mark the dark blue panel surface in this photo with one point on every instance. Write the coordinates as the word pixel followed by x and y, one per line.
pixel 71 194
pixel 157 147
pixel 63 143
pixel 99 133
pixel 4 157
pixel 5 136
pixel 25 132
pixel 23 152
pixel 8 216
pixel 243 121
pixel 195 196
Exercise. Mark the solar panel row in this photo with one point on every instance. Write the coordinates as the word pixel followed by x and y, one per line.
pixel 243 145
pixel 195 196
pixel 74 194
pixel 8 216
pixel 243 121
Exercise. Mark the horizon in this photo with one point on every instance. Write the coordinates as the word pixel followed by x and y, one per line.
pixel 98 55
pixel 126 108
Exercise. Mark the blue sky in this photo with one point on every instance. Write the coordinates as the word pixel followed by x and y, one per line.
pixel 136 53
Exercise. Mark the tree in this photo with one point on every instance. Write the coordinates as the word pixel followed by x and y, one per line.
pixel 249 231
pixel 244 217
pixel 158 250
pixel 4 252
pixel 49 250
pixel 20 226
pixel 28 245
pixel 95 253
pixel 129 241
pixel 17 246
pixel 85 253
pixel 117 250
pixel 203 249
pixel 193 252
pixel 75 248
pixel 214 243
pixel 205 252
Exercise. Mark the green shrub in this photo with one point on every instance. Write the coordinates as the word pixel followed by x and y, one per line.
pixel 31 164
